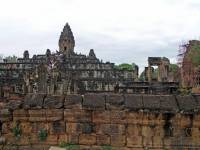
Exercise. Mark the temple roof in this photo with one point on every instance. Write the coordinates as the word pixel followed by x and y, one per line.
pixel 67 32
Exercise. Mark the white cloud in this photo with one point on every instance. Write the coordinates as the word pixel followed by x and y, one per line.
pixel 118 30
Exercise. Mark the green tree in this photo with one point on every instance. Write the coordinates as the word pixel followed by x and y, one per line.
pixel 194 55
pixel 11 58
pixel 126 66
pixel 173 68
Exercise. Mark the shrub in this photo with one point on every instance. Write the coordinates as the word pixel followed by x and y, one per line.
pixel 42 135
pixel 107 147
pixel 16 130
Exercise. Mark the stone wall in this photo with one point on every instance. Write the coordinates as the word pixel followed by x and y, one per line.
pixel 124 122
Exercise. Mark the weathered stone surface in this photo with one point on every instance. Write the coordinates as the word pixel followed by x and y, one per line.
pixel 100 116
pixel 5 115
pixel 115 101
pixel 91 101
pixel 118 116
pixel 186 121
pixel 118 140
pixel 36 115
pixel 7 127
pixel 168 104
pixel 134 141
pixel 87 139
pixel 73 138
pixel 134 130
pixel 147 131
pixel 151 102
pixel 87 128
pixel 103 140
pixel 10 139
pixel 72 128
pixel 51 140
pixel 26 127
pixel 57 127
pixel 53 102
pixel 37 126
pixel 33 101
pixel 77 115
pixel 158 142
pixel 110 129
pixel 147 142
pixel 73 102
pixel 63 138
pixel 133 102
pixel 33 147
pixel 20 115
pixel 14 104
pixel 134 117
pixel 197 98
pixel 54 114
pixel 187 104
pixel 123 129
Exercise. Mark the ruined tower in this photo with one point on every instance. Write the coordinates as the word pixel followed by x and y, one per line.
pixel 66 41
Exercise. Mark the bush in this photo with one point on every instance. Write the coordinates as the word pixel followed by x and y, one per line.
pixel 107 147
pixel 16 130
pixel 42 135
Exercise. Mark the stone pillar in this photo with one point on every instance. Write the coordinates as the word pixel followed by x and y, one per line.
pixel 159 73
pixel 149 73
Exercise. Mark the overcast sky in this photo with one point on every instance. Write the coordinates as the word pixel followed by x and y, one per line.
pixel 118 30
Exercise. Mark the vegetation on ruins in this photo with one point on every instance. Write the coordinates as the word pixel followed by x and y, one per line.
pixel 69 146
pixel 10 59
pixel 42 135
pixel 194 55
pixel 16 130
pixel 107 147
pixel 189 61
pixel 173 68
pixel 126 66
pixel 184 91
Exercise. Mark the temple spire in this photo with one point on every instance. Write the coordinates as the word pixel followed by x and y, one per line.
pixel 66 41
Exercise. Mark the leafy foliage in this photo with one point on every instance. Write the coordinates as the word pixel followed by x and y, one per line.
pixel 194 55
pixel 106 147
pixel 16 130
pixel 42 135
pixel 125 66
pixel 184 91
pixel 11 58
pixel 173 68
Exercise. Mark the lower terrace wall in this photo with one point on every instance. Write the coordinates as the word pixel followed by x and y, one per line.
pixel 123 122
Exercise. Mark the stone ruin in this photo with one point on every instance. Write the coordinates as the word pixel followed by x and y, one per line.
pixel 66 72
pixel 70 98
pixel 91 121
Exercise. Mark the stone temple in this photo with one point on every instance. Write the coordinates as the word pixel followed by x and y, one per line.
pixel 79 102
pixel 63 72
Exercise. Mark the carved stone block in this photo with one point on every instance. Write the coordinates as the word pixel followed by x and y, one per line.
pixel 71 115
pixel 93 102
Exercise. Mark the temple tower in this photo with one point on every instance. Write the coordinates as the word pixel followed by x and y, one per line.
pixel 66 41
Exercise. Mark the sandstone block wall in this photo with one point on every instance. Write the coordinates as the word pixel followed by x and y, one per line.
pixel 124 122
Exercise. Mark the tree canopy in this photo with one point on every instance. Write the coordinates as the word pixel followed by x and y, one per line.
pixel 194 55
pixel 126 66
pixel 11 58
